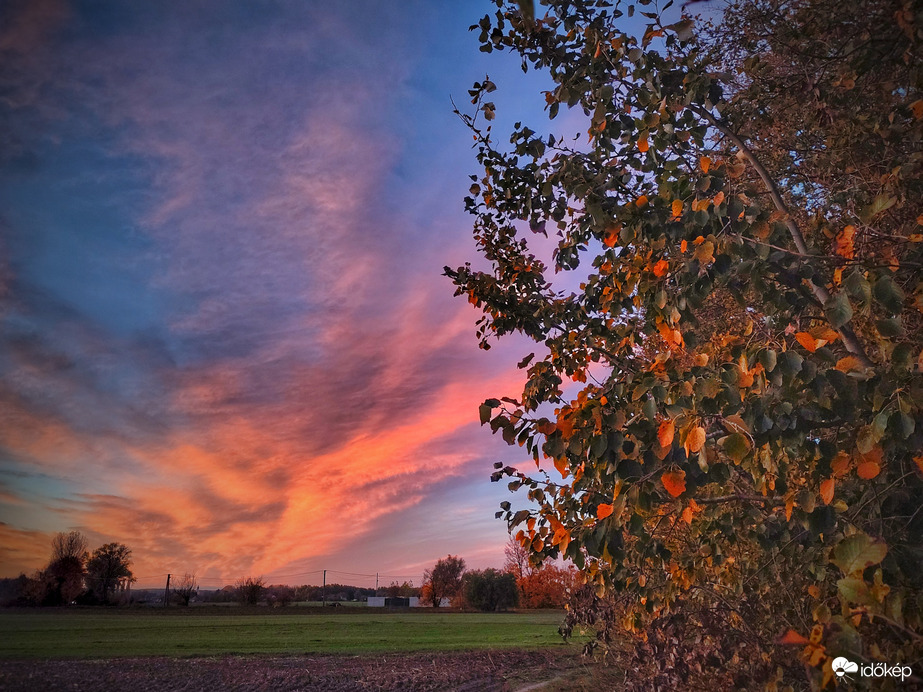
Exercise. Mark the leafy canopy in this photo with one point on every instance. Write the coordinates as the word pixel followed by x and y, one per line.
pixel 721 271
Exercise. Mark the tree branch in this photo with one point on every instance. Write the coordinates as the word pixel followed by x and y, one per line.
pixel 850 340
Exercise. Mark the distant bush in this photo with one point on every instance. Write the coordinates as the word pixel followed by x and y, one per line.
pixel 490 590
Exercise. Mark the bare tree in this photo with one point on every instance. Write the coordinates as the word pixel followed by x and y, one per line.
pixel 186 587
pixel 72 544
pixel 250 589
pixel 517 559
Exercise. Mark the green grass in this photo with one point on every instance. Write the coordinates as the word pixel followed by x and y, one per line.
pixel 94 634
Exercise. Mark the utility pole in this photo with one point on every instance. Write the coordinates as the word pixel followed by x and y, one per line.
pixel 325 588
pixel 376 583
pixel 166 592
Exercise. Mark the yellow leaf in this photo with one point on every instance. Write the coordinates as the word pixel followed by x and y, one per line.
pixel 705 252
pixel 817 633
pixel 603 511
pixel 674 482
pixel 665 433
pixel 826 491
pixel 677 208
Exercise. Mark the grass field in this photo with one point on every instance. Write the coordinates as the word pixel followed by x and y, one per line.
pixel 95 634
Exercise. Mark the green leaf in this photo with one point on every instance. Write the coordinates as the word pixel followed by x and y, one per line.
pixel 767 359
pixel 838 310
pixel 888 293
pixel 737 447
pixel 878 205
pixel 854 590
pixel 889 328
pixel 880 424
pixel 858 287
pixel 650 408
pixel 791 362
pixel 906 425
pixel 855 553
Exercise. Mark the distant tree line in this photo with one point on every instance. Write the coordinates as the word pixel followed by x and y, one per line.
pixel 518 584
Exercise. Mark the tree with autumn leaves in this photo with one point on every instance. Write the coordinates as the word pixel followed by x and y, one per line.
pixel 722 275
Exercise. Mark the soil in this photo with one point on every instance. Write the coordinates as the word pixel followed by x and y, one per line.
pixel 473 671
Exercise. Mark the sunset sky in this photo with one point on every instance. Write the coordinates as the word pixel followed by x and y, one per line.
pixel 225 339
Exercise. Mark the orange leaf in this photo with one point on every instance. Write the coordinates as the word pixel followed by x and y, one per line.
pixel 792 637
pixel 603 511
pixel 705 164
pixel 683 245
pixel 718 199
pixel 677 208
pixel 875 454
pixel 674 482
pixel 919 462
pixel 814 591
pixel 848 364
pixel 789 506
pixel 643 144
pixel 687 515
pixel 665 433
pixel 825 333
pixel 661 268
pixel 561 465
pixel 844 242
pixel 826 491
pixel 641 201
pixel 917 108
pixel 840 464
pixel 867 470
pixel 695 440
pixel 806 340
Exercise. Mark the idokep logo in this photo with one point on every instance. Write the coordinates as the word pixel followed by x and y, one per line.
pixel 843 667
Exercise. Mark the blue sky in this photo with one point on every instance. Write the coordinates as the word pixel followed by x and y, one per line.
pixel 225 339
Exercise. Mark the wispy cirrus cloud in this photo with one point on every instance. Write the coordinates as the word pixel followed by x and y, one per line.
pixel 222 334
